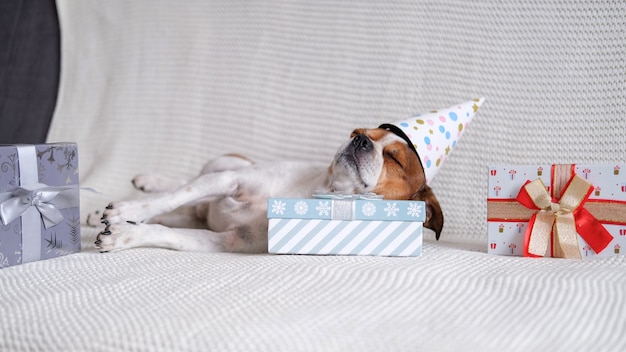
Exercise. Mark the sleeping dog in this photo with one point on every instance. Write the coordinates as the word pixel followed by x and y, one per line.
pixel 225 207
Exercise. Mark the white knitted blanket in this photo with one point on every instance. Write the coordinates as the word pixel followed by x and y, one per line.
pixel 162 86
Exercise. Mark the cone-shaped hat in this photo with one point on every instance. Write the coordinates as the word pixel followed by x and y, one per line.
pixel 436 133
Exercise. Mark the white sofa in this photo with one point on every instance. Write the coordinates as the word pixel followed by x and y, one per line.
pixel 162 86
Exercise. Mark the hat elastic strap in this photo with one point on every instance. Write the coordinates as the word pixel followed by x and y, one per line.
pixel 397 131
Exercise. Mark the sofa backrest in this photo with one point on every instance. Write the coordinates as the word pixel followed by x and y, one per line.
pixel 162 86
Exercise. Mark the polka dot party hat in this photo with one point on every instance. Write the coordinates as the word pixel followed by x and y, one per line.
pixel 436 133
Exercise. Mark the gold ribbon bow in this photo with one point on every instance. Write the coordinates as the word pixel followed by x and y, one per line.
pixel 556 217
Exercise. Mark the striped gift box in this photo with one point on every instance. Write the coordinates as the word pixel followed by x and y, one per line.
pixel 345 227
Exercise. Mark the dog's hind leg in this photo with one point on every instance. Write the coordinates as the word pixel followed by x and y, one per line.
pixel 226 162
pixel 153 183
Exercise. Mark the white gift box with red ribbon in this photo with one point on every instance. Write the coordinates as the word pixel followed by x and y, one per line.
pixel 571 211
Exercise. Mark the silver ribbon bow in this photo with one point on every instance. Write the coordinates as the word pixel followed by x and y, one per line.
pixel 346 196
pixel 48 200
pixel 343 203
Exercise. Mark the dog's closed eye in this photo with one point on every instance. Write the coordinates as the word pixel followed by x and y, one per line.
pixel 393 155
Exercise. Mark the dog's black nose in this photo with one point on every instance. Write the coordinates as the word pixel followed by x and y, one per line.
pixel 361 141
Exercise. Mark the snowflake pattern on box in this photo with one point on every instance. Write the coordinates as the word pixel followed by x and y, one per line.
pixel 414 210
pixel 278 207
pixel 323 208
pixel 392 210
pixel 368 209
pixel 346 209
pixel 301 208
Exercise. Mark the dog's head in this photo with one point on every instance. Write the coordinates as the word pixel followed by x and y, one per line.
pixel 381 161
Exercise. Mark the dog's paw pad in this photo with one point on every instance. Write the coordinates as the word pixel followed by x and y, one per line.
pixel 94 219
pixel 117 237
pixel 120 212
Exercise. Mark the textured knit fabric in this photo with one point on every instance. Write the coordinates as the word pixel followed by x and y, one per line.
pixel 162 86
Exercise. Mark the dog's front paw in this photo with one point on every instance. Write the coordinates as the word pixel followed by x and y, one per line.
pixel 120 212
pixel 117 237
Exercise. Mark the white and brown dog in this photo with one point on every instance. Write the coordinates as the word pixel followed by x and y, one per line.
pixel 225 208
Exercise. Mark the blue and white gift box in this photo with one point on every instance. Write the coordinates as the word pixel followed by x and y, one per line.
pixel 345 226
pixel 39 202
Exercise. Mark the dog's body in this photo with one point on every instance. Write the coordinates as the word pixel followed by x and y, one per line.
pixel 225 208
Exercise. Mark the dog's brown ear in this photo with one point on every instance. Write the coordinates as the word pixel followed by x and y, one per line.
pixel 434 215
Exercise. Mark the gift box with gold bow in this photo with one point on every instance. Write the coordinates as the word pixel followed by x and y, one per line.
pixel 566 211
pixel 39 202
